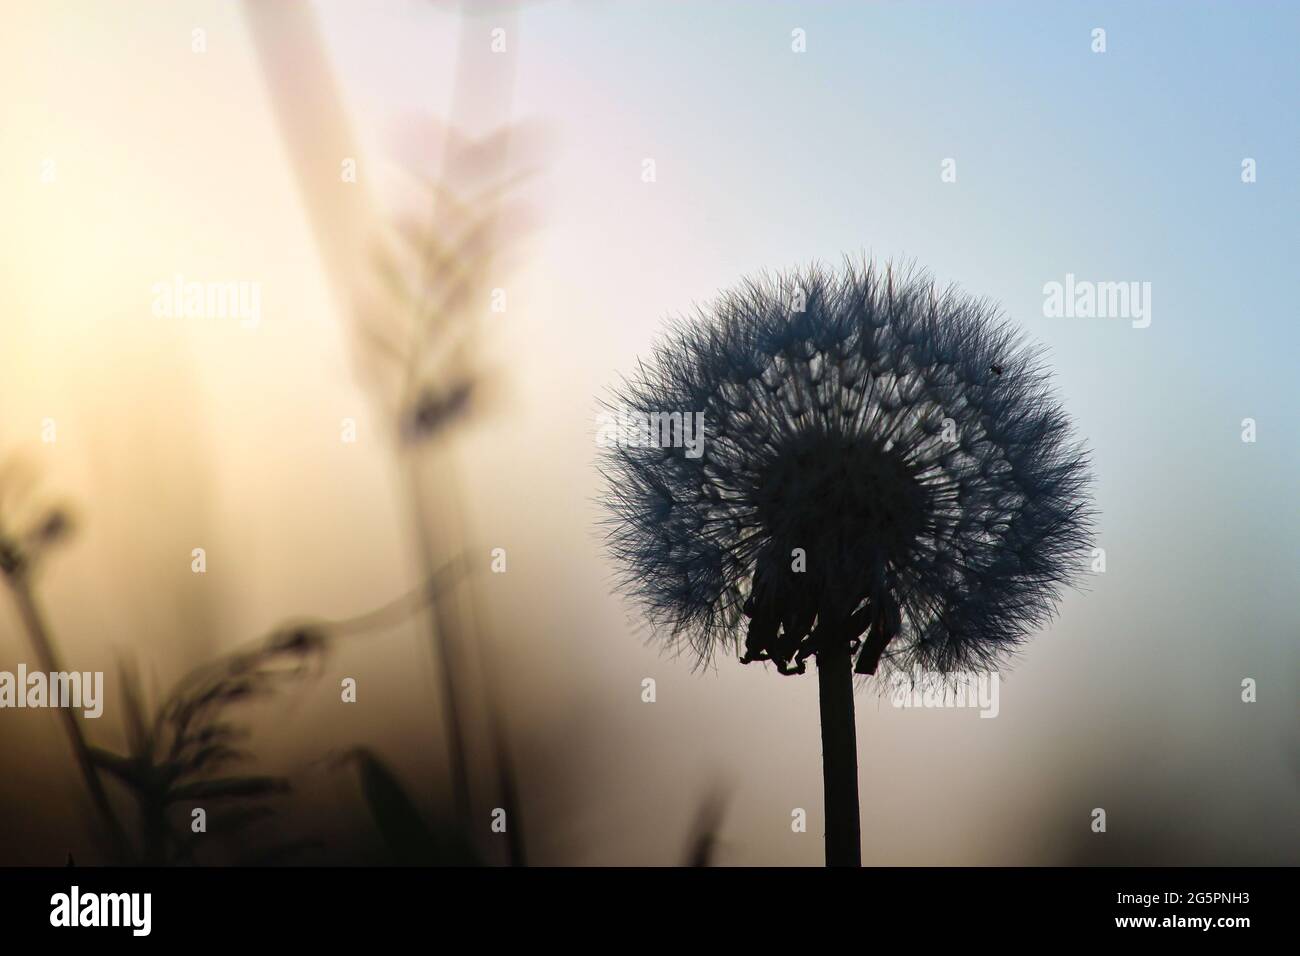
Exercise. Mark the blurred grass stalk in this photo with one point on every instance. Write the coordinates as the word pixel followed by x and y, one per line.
pixel 48 657
pixel 316 130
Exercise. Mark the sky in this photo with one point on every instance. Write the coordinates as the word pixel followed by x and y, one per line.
pixel 1115 166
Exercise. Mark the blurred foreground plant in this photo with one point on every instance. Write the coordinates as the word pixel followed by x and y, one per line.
pixel 418 318
pixel 182 756
pixel 22 548
pixel 418 299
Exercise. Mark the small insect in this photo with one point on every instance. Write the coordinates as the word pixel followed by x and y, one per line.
pixel 995 369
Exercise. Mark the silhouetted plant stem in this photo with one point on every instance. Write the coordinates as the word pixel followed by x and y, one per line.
pixel 442 639
pixel 509 793
pixel 839 756
pixel 452 616
pixel 507 782
pixel 49 661
pixel 153 816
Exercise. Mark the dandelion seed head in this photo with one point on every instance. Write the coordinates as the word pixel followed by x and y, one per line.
pixel 868 431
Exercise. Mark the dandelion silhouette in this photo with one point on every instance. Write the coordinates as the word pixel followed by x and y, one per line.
pixel 886 476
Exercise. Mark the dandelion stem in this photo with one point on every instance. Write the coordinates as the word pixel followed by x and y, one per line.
pixel 839 756
pixel 49 661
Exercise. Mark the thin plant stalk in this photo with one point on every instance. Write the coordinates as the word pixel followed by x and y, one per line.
pixel 443 642
pixel 506 780
pixel 473 91
pixel 507 785
pixel 49 661
pixel 839 756
pixel 450 618
pixel 509 792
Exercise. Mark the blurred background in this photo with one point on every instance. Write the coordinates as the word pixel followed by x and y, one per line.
pixel 134 149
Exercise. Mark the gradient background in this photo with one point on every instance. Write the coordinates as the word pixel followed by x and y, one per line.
pixel 176 434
